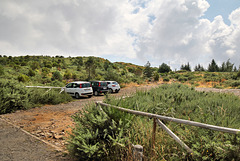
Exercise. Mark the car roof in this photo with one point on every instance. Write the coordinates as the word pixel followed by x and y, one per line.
pixel 111 81
pixel 97 81
pixel 80 82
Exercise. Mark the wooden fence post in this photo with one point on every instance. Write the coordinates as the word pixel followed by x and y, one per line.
pixel 137 152
pixel 153 136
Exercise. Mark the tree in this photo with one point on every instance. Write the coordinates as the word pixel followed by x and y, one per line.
pixel 164 68
pixel 186 67
pixel 226 67
pixel 90 67
pixel 147 72
pixel 57 76
pixel 199 68
pixel 213 67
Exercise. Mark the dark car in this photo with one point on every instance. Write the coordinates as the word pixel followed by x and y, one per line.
pixel 99 87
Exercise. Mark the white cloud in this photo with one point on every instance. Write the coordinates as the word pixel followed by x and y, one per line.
pixel 69 27
pixel 179 35
pixel 159 31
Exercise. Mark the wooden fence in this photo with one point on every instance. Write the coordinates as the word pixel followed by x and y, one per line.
pixel 157 118
pixel 47 87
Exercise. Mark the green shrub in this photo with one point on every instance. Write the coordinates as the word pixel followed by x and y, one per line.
pixel 23 78
pixel 13 96
pixel 156 76
pixel 57 76
pixel 182 79
pixel 166 79
pixel 98 134
pixel 235 83
pixel 1 70
pixel 31 73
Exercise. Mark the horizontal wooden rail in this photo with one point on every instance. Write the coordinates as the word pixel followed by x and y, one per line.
pixel 181 121
pixel 43 87
pixel 62 88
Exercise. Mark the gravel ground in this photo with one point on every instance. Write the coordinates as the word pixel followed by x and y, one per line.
pixel 51 124
pixel 17 145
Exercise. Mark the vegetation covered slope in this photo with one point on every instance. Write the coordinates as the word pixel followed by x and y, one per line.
pixel 58 71
pixel 118 130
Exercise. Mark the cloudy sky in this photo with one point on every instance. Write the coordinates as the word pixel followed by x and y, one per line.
pixel 136 31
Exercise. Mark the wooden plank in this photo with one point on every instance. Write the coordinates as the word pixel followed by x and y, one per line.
pixel 154 135
pixel 43 87
pixel 181 121
pixel 175 137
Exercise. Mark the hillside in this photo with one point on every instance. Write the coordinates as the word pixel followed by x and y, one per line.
pixel 57 71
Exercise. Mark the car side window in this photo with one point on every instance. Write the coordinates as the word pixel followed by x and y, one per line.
pixel 69 85
pixel 75 85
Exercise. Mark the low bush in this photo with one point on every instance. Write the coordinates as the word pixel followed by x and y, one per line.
pixel 23 78
pixel 182 79
pixel 99 134
pixel 166 79
pixel 14 96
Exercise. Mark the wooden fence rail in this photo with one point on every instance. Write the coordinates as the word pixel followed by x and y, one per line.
pixel 47 87
pixel 164 127
pixel 181 121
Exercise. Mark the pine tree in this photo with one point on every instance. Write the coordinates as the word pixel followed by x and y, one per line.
pixel 213 67
pixel 148 70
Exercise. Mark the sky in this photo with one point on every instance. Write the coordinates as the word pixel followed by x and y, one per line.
pixel 174 32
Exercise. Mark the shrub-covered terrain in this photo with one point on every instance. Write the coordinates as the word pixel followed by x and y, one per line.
pixel 118 130
pixel 58 71
pixel 15 96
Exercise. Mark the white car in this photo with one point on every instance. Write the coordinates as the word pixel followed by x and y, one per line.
pixel 113 86
pixel 79 88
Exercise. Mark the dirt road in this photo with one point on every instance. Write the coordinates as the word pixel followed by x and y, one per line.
pixel 49 123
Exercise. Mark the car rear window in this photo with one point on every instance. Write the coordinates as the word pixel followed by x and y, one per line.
pixel 85 85
pixel 103 83
pixel 115 83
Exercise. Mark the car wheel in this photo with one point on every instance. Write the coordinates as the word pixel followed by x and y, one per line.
pixel 77 96
pixel 110 91
pixel 96 93
pixel 117 91
pixel 89 96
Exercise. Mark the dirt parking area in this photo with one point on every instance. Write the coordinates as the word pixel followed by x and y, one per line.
pixel 52 123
